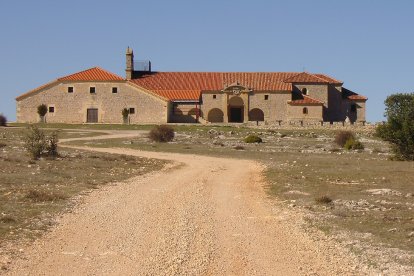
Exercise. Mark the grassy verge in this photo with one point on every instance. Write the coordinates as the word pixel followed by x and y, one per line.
pixel 33 192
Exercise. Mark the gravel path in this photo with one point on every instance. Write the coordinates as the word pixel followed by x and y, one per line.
pixel 199 216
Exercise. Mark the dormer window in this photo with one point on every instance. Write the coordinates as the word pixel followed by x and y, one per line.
pixel 304 91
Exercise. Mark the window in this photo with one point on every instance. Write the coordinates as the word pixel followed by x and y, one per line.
pixel 114 90
pixel 92 90
pixel 51 109
pixel 131 110
pixel 353 108
pixel 305 110
pixel 266 97
pixel 70 89
pixel 304 91
pixel 214 96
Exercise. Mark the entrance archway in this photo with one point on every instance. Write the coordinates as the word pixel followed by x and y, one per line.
pixel 236 110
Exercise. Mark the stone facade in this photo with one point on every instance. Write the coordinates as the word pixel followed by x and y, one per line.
pixel 73 107
pixel 179 97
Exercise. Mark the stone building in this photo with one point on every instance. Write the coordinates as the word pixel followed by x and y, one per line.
pixel 98 96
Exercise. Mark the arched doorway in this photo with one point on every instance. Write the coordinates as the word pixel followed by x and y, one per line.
pixel 256 114
pixel 236 110
pixel 215 115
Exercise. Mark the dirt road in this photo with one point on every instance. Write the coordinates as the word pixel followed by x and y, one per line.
pixel 200 216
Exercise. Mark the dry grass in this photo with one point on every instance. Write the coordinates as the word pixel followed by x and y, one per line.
pixel 32 192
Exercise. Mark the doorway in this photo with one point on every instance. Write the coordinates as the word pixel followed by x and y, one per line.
pixel 236 115
pixel 92 115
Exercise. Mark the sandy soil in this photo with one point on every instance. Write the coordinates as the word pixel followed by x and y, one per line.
pixel 199 216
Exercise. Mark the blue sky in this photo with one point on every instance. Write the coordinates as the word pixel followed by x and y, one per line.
pixel 367 44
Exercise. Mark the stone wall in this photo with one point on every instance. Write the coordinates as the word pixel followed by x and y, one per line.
pixel 72 107
pixel 314 113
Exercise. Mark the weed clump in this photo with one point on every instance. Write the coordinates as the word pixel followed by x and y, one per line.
pixel 323 200
pixel 343 136
pixel 41 196
pixel 3 120
pixel 162 134
pixel 52 144
pixel 353 144
pixel 253 139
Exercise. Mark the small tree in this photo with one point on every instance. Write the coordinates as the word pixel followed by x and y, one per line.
pixel 42 110
pixel 3 120
pixel 125 114
pixel 399 128
pixel 35 142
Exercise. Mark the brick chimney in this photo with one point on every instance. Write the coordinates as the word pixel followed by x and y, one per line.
pixel 129 63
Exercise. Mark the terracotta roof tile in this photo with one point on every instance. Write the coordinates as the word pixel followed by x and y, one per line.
pixel 92 74
pixel 213 81
pixel 305 78
pixel 306 101
pixel 329 79
pixel 179 94
pixel 35 90
pixel 348 94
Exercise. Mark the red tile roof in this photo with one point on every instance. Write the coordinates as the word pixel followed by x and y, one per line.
pixel 328 79
pixel 92 74
pixel 215 81
pixel 306 78
pixel 306 101
pixel 21 97
pixel 348 94
pixel 357 97
pixel 179 94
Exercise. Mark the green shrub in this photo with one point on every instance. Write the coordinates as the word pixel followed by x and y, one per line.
pixel 323 200
pixel 3 120
pixel 162 133
pixel 253 139
pixel 343 136
pixel 353 144
pixel 35 142
pixel 399 128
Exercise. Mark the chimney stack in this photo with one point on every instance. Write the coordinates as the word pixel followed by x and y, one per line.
pixel 129 63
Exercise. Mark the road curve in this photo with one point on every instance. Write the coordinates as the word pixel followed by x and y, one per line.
pixel 200 216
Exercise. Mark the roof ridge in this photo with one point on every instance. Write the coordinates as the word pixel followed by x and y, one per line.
pixel 292 79
pixel 113 75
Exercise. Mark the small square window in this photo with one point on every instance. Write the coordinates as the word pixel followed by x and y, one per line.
pixel 266 97
pixel 92 90
pixel 131 110
pixel 70 89
pixel 114 90
pixel 214 96
pixel 51 109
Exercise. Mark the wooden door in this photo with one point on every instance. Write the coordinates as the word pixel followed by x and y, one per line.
pixel 92 115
